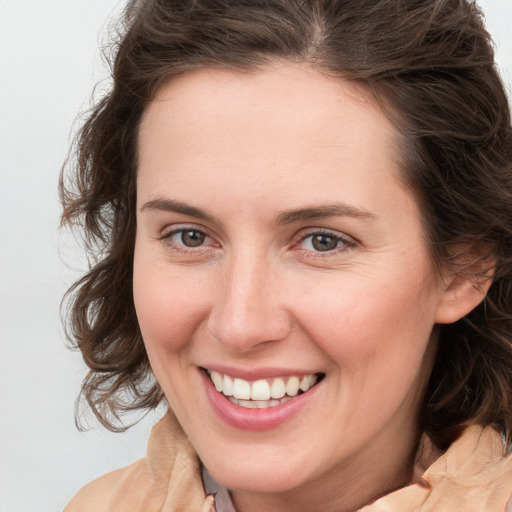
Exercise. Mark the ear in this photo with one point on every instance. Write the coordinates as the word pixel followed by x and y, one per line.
pixel 464 288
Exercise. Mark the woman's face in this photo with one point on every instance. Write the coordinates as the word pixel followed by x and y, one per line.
pixel 277 247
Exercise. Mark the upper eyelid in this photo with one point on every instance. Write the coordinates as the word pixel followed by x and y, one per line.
pixel 176 228
pixel 304 233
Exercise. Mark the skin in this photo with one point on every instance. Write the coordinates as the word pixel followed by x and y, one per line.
pixel 245 151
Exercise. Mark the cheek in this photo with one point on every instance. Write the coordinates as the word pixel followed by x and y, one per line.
pixel 377 339
pixel 168 307
pixel 362 323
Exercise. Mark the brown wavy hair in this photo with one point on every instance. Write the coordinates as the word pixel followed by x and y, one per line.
pixel 429 63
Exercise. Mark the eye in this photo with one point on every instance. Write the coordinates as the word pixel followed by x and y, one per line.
pixel 325 241
pixel 187 238
pixel 190 237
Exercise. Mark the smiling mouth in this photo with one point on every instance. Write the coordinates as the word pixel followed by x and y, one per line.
pixel 264 393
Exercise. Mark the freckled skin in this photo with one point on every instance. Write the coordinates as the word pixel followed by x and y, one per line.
pixel 255 292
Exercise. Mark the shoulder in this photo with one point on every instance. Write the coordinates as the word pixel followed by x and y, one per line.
pixel 475 471
pixel 169 476
pixel 473 475
pixel 114 491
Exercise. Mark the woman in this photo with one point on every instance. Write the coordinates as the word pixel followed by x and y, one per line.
pixel 300 214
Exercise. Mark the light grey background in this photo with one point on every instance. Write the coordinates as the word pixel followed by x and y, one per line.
pixel 49 62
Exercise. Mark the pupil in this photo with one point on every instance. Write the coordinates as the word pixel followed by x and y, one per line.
pixel 324 242
pixel 192 238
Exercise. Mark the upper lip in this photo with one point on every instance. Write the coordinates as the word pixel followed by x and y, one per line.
pixel 254 374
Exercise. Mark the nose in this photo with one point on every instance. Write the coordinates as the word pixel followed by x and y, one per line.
pixel 248 311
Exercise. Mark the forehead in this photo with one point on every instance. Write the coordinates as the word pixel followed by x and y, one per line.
pixel 287 101
pixel 279 81
pixel 288 131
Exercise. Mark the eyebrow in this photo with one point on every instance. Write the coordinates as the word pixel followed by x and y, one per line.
pixel 286 217
pixel 324 211
pixel 171 205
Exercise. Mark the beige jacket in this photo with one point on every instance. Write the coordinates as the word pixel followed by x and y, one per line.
pixel 472 476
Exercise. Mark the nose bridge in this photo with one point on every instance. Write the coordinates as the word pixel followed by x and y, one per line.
pixel 248 310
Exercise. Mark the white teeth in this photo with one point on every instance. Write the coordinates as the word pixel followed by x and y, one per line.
pixel 260 390
pixel 259 404
pixel 248 404
pixel 241 389
pixel 292 386
pixel 217 380
pixel 261 393
pixel 307 382
pixel 278 388
pixel 227 386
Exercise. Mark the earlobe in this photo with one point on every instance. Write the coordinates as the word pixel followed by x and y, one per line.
pixel 463 292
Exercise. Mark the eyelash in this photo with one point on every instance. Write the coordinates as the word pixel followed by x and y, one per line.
pixel 346 243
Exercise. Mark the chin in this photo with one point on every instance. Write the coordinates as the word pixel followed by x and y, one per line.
pixel 257 479
pixel 258 469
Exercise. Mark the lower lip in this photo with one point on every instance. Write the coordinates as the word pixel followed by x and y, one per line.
pixel 255 419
